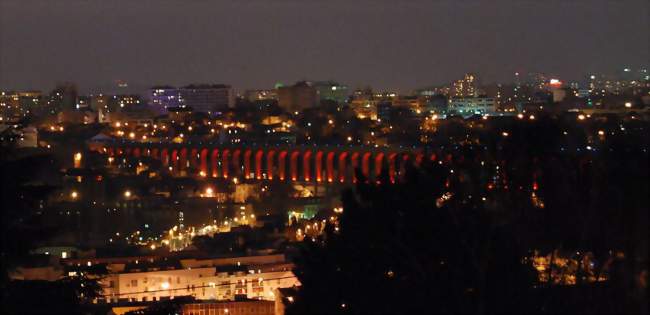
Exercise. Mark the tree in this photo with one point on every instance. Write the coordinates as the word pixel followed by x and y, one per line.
pixel 398 252
pixel 24 189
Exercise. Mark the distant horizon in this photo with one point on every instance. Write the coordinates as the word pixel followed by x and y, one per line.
pixel 141 88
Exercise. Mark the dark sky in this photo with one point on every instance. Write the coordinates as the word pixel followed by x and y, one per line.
pixel 255 43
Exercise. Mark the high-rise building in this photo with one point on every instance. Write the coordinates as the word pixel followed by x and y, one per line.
pixel 83 102
pixel 465 87
pixel 384 110
pixel 537 81
pixel 163 97
pixel 330 90
pixel 19 104
pixel 297 97
pixel 124 102
pixel 206 98
pixel 99 102
pixel 521 91
pixel 30 101
pixel 9 105
pixel 63 97
pixel 200 97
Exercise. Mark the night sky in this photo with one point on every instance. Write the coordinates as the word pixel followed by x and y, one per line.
pixel 256 43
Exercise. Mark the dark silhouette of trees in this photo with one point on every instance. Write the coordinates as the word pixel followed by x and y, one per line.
pixel 455 236
pixel 25 188
pixel 398 252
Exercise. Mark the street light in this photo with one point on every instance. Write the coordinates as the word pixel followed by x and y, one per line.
pixel 77 159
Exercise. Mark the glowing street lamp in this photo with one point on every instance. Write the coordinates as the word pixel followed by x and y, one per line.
pixel 77 159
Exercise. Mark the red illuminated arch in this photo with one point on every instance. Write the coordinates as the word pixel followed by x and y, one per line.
pixel 183 160
pixel 402 165
pixel 174 162
pixel 305 166
pixel 236 161
pixel 391 167
pixel 154 153
pixel 282 164
pixel 294 165
pixel 418 159
pixel 319 166
pixel 214 158
pixel 354 161
pixel 258 164
pixel 204 162
pixel 225 163
pixel 342 163
pixel 379 164
pixel 247 163
pixel 330 167
pixel 269 164
pixel 164 157
pixel 194 157
pixel 136 152
pixel 365 164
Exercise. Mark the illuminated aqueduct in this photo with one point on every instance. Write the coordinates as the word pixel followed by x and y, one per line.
pixel 299 163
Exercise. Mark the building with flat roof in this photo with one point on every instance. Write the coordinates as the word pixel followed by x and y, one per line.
pixel 208 98
pixel 332 91
pixel 252 277
pixel 297 97
pixel 203 98
pixel 163 97
pixel 468 106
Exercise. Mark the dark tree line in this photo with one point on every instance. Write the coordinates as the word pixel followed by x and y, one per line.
pixel 26 185
pixel 405 249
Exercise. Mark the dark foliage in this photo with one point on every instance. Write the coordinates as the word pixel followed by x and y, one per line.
pixel 399 252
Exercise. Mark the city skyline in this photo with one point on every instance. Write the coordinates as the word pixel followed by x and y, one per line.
pixel 293 157
pixel 256 44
